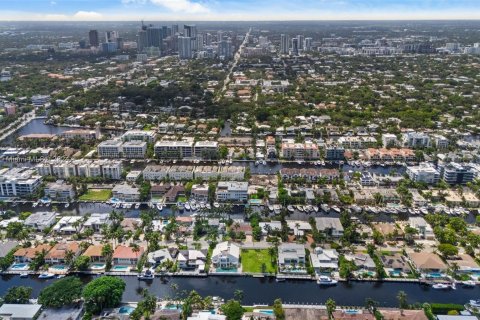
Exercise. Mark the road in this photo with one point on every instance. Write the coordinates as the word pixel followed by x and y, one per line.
pixel 236 58
pixel 16 125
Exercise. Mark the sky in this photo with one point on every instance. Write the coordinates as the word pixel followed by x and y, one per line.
pixel 241 10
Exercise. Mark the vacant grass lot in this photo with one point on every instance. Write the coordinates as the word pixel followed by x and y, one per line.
pixel 258 261
pixel 96 195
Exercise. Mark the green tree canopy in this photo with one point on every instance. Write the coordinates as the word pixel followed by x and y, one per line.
pixel 61 293
pixel 103 292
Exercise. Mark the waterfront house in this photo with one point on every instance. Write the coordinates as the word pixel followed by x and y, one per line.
pixel 157 257
pixel 395 263
pixel 465 263
pixel 324 260
pixel 298 227
pixel 40 220
pixel 94 252
pixel 226 255
pixel 362 261
pixel 127 256
pixel 58 254
pixel 192 260
pixel 6 247
pixel 24 255
pixel 59 191
pixel 427 262
pixel 125 192
pixel 389 231
pixel 291 257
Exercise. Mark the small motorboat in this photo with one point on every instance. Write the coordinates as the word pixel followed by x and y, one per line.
pixel 280 279
pixel 475 303
pixel 290 208
pixel 147 275
pixel 326 281
pixel 24 275
pixel 443 286
pixel 67 205
pixel 216 205
pixel 187 206
pixel 46 275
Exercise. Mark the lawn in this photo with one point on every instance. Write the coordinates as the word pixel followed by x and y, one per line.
pixel 257 261
pixel 96 195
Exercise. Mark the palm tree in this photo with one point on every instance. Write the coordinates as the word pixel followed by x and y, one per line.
pixel 402 301
pixel 331 306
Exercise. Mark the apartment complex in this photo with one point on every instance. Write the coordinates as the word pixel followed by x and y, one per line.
pixel 18 182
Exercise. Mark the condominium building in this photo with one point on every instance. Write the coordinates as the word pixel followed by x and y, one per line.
pixel 300 151
pixel 389 140
pixel 155 172
pixel 456 173
pixel 141 135
pixel 181 173
pixel 174 149
pixel 334 152
pixel 416 140
pixel 18 182
pixel 232 191
pixel 134 149
pixel 206 149
pixel 354 142
pixel 440 141
pixel 108 169
pixel 424 172
pixel 110 149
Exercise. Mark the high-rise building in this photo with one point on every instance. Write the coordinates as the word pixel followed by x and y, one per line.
pixel 284 44
pixel 174 29
pixel 190 31
pixel 111 36
pixel 225 48
pixel 141 40
pixel 185 47
pixel 295 46
pixel 154 37
pixel 208 39
pixel 200 42
pixel 93 38
pixel 301 42
pixel 219 35
pixel 308 44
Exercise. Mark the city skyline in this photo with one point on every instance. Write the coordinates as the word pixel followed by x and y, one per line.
pixel 234 10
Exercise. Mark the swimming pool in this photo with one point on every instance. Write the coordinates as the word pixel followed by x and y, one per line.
pixel 226 270
pixel 352 311
pixel 126 310
pixel 266 311
pixel 120 268
pixel 19 266
pixel 435 275
pixel 58 267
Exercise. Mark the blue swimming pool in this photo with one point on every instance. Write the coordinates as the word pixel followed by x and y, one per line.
pixel 19 266
pixel 126 310
pixel 59 267
pixel 226 270
pixel 266 311
pixel 120 268
pixel 435 275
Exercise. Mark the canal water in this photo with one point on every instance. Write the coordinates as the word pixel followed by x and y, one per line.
pixel 266 290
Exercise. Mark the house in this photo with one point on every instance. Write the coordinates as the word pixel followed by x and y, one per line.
pixel 96 221
pixel 125 192
pixel 299 227
pixel 58 254
pixel 395 262
pixel 94 252
pixel 291 255
pixel 20 311
pixel 6 247
pixel 68 225
pixel 389 230
pixel 424 230
pixel 206 315
pixel 226 255
pixel 59 191
pixel 157 257
pixel 324 260
pixel 362 261
pixel 427 262
pixel 130 224
pixel 199 192
pixel 191 260
pixel 127 256
pixel 40 220
pixel 465 263
pixel 274 226
pixel 232 191
pixel 24 255
pixel 330 226
pixel 174 192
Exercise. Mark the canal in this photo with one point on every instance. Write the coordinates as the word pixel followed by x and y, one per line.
pixel 266 290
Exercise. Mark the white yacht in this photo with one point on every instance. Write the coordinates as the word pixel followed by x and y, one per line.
pixel 326 281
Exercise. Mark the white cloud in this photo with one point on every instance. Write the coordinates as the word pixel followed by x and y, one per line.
pixel 186 6
pixel 87 15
